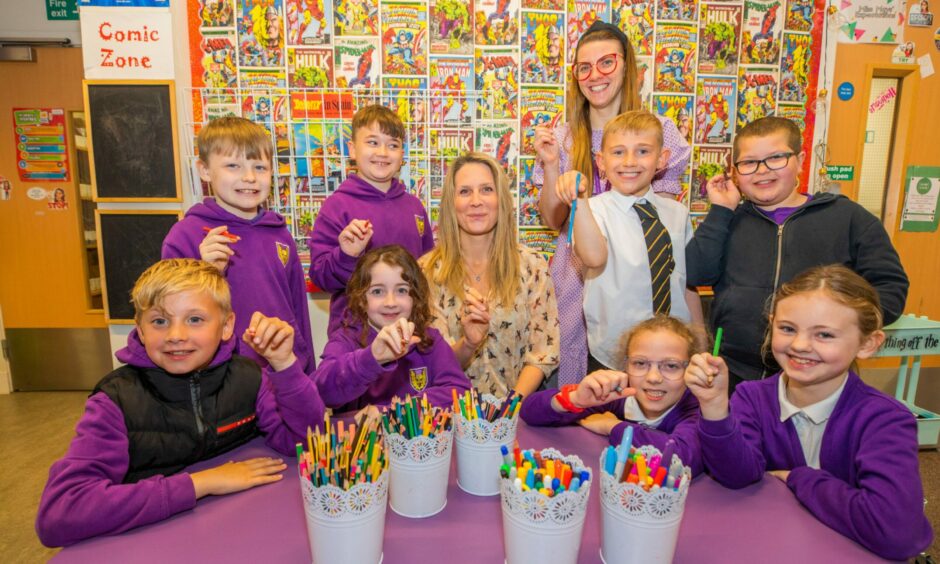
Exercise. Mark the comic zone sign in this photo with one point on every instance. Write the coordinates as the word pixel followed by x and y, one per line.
pixel 120 43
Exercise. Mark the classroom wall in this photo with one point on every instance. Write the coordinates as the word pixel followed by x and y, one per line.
pixel 920 252
pixel 27 18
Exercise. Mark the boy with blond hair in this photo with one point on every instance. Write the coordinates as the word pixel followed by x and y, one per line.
pixel 747 250
pixel 182 397
pixel 370 209
pixel 630 240
pixel 251 246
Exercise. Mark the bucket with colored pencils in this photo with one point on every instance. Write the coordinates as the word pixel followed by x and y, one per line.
pixel 419 439
pixel 642 501
pixel 544 499
pixel 485 424
pixel 344 482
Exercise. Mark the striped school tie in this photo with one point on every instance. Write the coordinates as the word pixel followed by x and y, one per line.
pixel 659 249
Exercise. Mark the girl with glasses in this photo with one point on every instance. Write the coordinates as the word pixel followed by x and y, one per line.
pixel 649 395
pixel 605 84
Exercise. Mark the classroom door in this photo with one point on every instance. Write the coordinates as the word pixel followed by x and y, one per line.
pixel 56 339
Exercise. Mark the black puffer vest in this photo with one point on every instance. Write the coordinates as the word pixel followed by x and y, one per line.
pixel 174 421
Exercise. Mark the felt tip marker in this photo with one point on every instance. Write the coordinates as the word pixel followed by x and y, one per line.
pixel 574 208
pixel 225 234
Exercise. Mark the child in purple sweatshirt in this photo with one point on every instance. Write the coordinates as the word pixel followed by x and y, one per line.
pixel 369 209
pixel 182 397
pixel 847 451
pixel 386 346
pixel 251 246
pixel 650 396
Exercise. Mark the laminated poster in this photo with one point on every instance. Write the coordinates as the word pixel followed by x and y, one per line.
pixel 41 146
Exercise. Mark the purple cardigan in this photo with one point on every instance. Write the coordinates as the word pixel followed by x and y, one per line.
pixel 351 378
pixel 85 497
pixel 868 487
pixel 680 424
pixel 397 218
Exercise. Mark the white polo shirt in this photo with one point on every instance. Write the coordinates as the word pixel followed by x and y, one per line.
pixel 810 421
pixel 620 295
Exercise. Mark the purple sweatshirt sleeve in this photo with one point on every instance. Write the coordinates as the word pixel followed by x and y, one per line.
pixel 731 447
pixel 330 267
pixel 84 496
pixel 885 513
pixel 178 244
pixel 298 292
pixel 288 403
pixel 346 370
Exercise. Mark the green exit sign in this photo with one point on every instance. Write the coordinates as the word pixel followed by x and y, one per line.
pixel 61 9
pixel 840 172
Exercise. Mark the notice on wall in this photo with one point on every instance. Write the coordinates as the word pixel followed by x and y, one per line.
pixel 61 10
pixel 41 148
pixel 124 44
pixel 922 192
pixel 869 21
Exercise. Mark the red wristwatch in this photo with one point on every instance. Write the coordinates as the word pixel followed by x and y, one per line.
pixel 563 398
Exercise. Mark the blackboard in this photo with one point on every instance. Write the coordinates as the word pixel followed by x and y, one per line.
pixel 132 132
pixel 128 243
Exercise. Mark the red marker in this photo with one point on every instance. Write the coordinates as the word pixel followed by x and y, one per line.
pixel 226 234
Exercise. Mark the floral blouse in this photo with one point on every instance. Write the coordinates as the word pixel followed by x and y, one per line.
pixel 522 335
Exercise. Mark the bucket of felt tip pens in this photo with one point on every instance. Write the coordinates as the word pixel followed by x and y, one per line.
pixel 544 498
pixel 344 482
pixel 419 438
pixel 485 424
pixel 643 493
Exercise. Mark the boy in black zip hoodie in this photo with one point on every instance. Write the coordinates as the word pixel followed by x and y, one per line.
pixel 746 250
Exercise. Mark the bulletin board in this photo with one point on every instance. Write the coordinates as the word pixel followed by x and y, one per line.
pixel 129 242
pixel 133 141
pixel 479 74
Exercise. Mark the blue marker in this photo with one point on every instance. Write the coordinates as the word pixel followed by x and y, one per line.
pixel 506 458
pixel 575 483
pixel 623 451
pixel 574 208
pixel 610 462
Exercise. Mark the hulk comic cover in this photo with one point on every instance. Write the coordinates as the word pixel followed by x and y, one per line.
pixel 542 48
pixel 500 140
pixel 706 163
pixel 310 67
pixel 719 30
pixel 445 145
pixel 451 27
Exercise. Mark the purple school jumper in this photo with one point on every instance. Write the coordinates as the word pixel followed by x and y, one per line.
pixel 681 424
pixel 350 378
pixel 397 218
pixel 264 274
pixel 868 486
pixel 85 497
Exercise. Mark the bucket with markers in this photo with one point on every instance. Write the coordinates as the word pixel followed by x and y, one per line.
pixel 643 493
pixel 344 483
pixel 485 424
pixel 544 498
pixel 419 440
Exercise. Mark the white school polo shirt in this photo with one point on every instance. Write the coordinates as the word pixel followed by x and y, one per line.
pixel 810 421
pixel 620 295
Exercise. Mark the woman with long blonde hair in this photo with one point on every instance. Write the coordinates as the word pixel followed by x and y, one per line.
pixel 491 297
pixel 605 84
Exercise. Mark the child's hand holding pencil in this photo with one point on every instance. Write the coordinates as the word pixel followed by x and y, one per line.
pixel 215 248
pixel 707 379
pixel 394 341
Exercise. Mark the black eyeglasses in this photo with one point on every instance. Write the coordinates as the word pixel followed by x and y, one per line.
pixel 605 65
pixel 670 369
pixel 773 162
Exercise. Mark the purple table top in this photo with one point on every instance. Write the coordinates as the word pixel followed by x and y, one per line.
pixel 762 523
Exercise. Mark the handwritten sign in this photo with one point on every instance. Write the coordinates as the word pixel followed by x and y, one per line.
pixel 121 43
pixel 911 336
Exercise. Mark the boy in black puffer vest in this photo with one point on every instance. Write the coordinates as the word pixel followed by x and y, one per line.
pixel 182 397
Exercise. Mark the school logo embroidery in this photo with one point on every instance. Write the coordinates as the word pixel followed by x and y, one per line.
pixel 419 222
pixel 419 378
pixel 283 251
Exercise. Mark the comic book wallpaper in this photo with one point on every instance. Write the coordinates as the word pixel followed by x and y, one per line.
pixel 481 74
